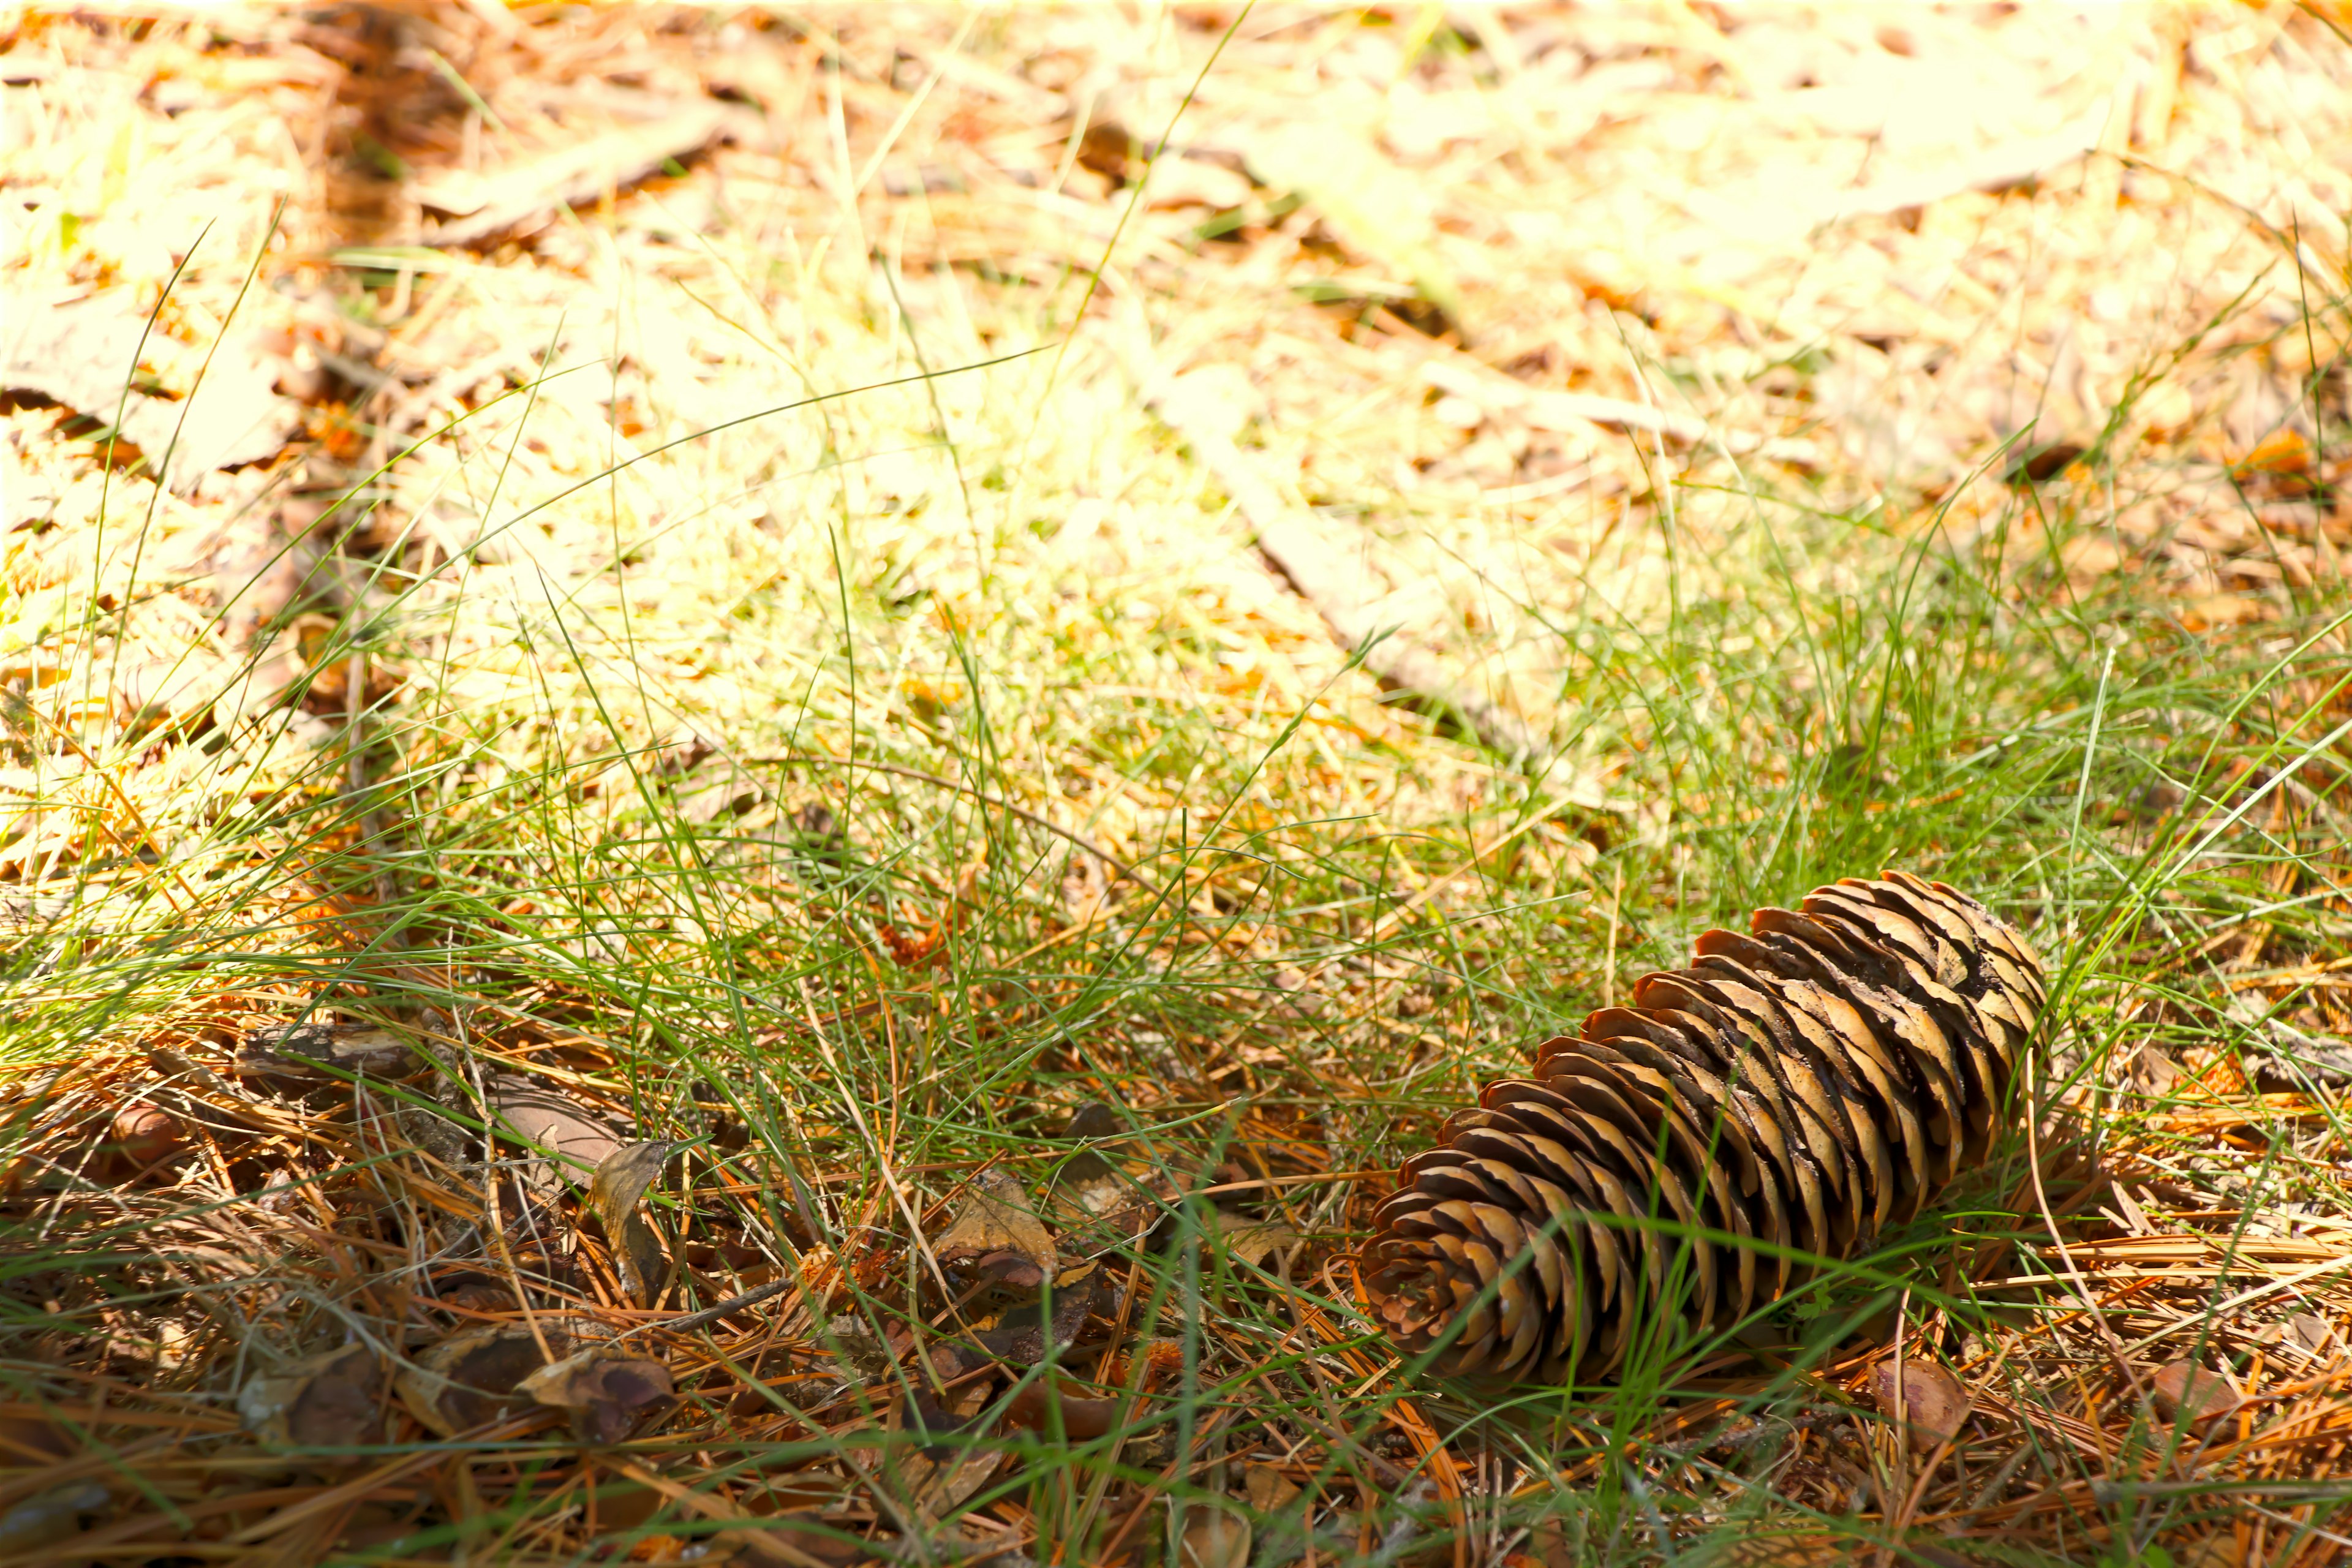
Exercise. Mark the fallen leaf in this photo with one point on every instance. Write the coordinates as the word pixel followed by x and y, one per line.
pixel 541 1116
pixel 1374 206
pixel 1081 1417
pixel 471 1378
pixel 83 353
pixel 1268 1490
pixel 2311 1331
pixel 2154 1072
pixel 608 1392
pixel 332 1400
pixel 997 1242
pixel 1252 1241
pixel 2183 1391
pixel 529 195
pixel 1932 1404
pixel 2040 462
pixel 1213 1538
pixel 614 1192
pixel 2282 457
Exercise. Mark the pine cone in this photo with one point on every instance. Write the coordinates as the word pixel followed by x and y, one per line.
pixel 1805 1085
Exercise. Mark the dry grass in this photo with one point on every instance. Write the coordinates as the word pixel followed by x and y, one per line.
pixel 764 653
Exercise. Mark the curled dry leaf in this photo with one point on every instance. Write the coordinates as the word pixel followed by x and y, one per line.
pixel 607 1391
pixel 332 1400
pixel 614 1192
pixel 1932 1405
pixel 1024 1333
pixel 997 1244
pixel 471 1378
pixel 1079 1417
pixel 2184 1392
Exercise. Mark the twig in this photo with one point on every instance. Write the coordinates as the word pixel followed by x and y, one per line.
pixel 693 1321
pixel 1574 413
pixel 997 803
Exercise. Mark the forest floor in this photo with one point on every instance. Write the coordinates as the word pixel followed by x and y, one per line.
pixel 961 669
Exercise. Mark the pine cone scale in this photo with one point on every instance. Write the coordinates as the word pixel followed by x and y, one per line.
pixel 1801 1087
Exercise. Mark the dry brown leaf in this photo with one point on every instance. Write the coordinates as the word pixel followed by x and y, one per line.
pixel 332 1400
pixel 82 350
pixel 2154 1072
pixel 2183 1391
pixel 1252 1241
pixel 1932 1404
pixel 608 1392
pixel 1268 1490
pixel 1081 1417
pixel 996 1241
pixel 470 1378
pixel 552 1121
pixel 614 1192
pixel 2313 1333
pixel 1213 1538
pixel 528 195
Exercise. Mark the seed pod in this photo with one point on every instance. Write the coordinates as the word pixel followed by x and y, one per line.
pixel 1802 1087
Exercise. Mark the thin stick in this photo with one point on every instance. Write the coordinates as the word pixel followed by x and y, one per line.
pixel 787 759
